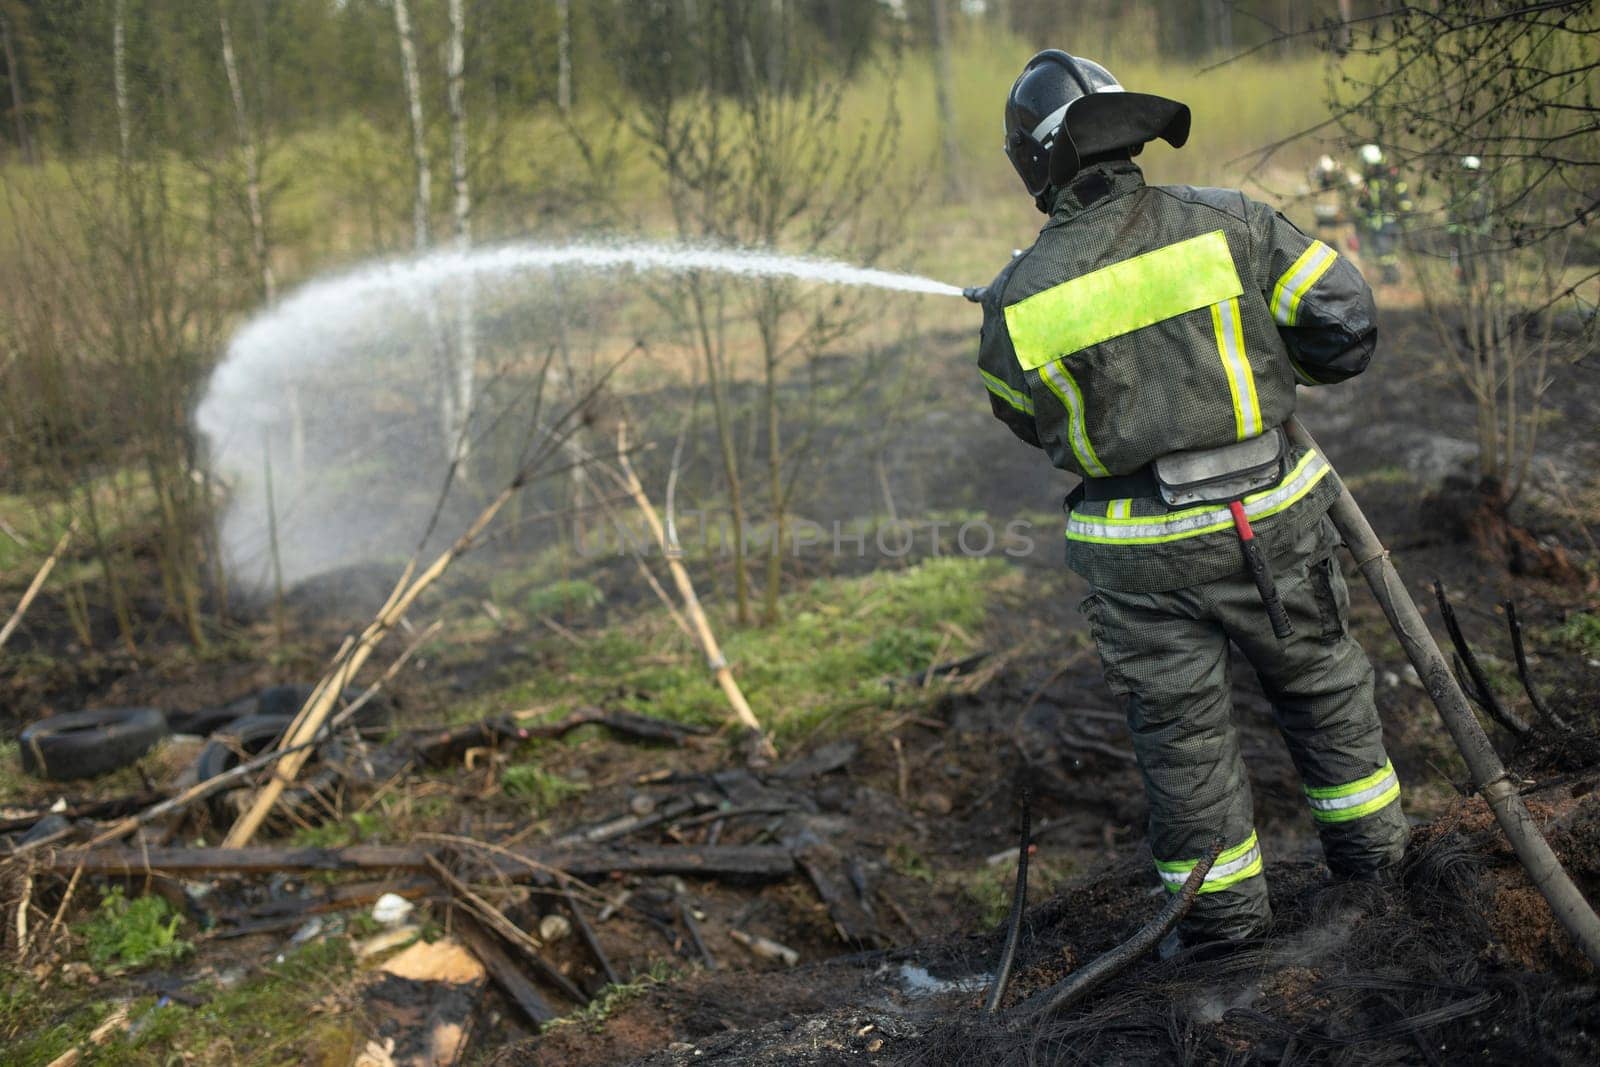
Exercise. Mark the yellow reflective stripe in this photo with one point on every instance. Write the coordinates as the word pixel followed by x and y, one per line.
pixel 1354 800
pixel 1060 380
pixel 1122 297
pixel 1241 381
pixel 1232 866
pixel 1333 792
pixel 1377 803
pixel 1298 280
pixel 1120 509
pixel 1000 389
pixel 1194 522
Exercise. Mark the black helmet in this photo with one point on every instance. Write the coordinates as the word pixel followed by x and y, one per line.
pixel 1063 109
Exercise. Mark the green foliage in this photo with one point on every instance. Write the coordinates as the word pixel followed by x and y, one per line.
pixel 909 862
pixel 541 788
pixel 571 596
pixel 124 935
pixel 1581 631
pixel 594 1015
pixel 356 827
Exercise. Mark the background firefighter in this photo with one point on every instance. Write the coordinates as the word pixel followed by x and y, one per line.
pixel 1383 203
pixel 1145 327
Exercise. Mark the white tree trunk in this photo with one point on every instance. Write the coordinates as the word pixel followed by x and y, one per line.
pixel 18 106
pixel 419 144
pixel 943 82
pixel 252 162
pixel 119 74
pixel 564 55
pixel 775 45
pixel 466 354
pixel 422 230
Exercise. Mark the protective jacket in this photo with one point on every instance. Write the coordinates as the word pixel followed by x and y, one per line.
pixel 1147 320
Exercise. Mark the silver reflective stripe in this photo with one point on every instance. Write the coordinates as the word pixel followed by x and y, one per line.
pixel 1292 288
pixel 1355 800
pixel 1175 879
pixel 1240 382
pixel 1310 470
pixel 1061 383
pixel 1050 122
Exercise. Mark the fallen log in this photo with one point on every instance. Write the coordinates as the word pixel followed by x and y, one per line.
pixel 252 860
pixel 731 862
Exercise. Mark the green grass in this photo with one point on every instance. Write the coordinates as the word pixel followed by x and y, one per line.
pixel 354 828
pixel 593 1016
pixel 270 1016
pixel 542 789
pixel 1580 632
pixel 566 597
pixel 989 887
pixel 837 643
pixel 125 935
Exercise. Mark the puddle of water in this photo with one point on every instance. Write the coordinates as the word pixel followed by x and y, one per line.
pixel 917 982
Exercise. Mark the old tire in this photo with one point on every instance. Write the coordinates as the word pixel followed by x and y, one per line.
pixel 252 736
pixel 207 721
pixel 87 744
pixel 374 717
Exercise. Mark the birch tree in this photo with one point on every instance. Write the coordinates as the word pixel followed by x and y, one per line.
pixel 939 21
pixel 564 55
pixel 119 75
pixel 14 77
pixel 450 418
pixel 249 147
pixel 466 354
pixel 419 144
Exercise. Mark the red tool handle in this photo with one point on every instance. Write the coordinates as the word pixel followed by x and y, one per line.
pixel 1256 563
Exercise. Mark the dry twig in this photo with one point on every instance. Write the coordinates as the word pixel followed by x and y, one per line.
pixel 37 584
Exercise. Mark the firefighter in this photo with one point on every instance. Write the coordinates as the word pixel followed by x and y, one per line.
pixel 1150 341
pixel 1469 221
pixel 1384 203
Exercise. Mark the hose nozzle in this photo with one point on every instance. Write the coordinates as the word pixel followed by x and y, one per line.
pixel 975 293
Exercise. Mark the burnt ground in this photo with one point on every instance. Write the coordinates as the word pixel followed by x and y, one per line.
pixel 1460 960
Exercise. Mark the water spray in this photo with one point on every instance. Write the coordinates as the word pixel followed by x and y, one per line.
pixel 356 331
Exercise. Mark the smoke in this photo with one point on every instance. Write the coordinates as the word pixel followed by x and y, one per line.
pixel 329 417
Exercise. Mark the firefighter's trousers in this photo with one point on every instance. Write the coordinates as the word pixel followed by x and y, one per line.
pixel 1166 656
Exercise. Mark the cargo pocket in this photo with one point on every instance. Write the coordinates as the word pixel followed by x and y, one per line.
pixel 1332 597
pixel 1093 608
